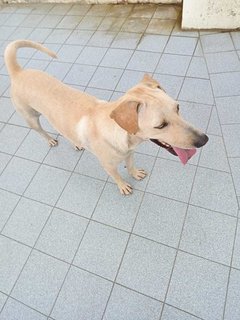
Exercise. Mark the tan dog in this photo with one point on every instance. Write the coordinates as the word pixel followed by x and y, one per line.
pixel 110 130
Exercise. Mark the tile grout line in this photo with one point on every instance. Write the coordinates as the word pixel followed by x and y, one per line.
pixel 229 273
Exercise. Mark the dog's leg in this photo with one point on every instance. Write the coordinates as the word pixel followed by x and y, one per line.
pixel 34 123
pixel 124 187
pixel 137 174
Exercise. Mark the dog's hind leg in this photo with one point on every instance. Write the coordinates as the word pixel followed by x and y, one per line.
pixel 31 116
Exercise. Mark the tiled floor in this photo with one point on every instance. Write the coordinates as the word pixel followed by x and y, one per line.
pixel 71 247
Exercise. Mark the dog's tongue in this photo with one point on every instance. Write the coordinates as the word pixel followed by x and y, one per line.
pixel 184 154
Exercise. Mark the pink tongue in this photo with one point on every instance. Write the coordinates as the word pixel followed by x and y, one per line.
pixel 184 154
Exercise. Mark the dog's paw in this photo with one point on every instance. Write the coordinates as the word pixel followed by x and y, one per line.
pixel 138 174
pixel 125 188
pixel 52 142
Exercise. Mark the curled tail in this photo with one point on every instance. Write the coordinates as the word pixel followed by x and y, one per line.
pixel 10 54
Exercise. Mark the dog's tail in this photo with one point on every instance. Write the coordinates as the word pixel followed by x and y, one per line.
pixel 10 54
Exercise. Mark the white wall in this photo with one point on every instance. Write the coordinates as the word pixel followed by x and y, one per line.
pixel 211 14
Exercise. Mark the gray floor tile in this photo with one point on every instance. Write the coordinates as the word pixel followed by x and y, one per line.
pixel 216 42
pixel 129 79
pixel 63 156
pixel 99 93
pixel 20 32
pixel 178 31
pixel 61 235
pixel 125 304
pixel 213 155
pixel 81 195
pixel 80 37
pixel 15 310
pixel 232 311
pixel 222 62
pixel 37 64
pixel 7 109
pixel 13 257
pixel 209 234
pixel 126 40
pixel 32 21
pixel 143 10
pixel 181 45
pixel 171 84
pixel 111 23
pixel 138 24
pixel 27 221
pixel 3 298
pixel 146 267
pixel 198 68
pixel 83 296
pixel 40 281
pixel 17 175
pixel 235 168
pixel 203 294
pixel 116 58
pixel 148 148
pixel 214 125
pixel 80 74
pixel 152 42
pixel 160 26
pixel 170 313
pixel 224 84
pixel 89 165
pixel 106 78
pixel 4 83
pixel 101 250
pixel 91 55
pixel 8 202
pixel 120 212
pixel 58 36
pixel 34 147
pixel 231 135
pixel 196 90
pixel 47 184
pixel 167 12
pixel 40 34
pixel 69 53
pixel 69 22
pixel 99 10
pixel 214 190
pixel 58 69
pixel 50 21
pixel 60 9
pixel 6 31
pixel 195 113
pixel 144 61
pixel 11 138
pixel 236 253
pixel 172 175
pixel 89 23
pixel 160 219
pixel 173 64
pixel 43 56
pixel 120 10
pixel 228 109
pixel 79 9
pixel 4 159
pixel 16 19
pixel 102 38
pixel 236 39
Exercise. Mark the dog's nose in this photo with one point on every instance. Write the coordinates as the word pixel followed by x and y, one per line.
pixel 201 141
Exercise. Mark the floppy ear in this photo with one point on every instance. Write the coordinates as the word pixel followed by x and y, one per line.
pixel 126 116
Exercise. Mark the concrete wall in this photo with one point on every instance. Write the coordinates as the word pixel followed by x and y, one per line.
pixel 211 14
pixel 92 1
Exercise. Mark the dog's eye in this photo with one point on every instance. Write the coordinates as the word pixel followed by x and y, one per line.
pixel 163 125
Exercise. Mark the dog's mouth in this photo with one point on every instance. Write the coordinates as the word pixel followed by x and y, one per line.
pixel 183 154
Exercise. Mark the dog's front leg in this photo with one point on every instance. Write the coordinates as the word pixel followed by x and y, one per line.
pixel 137 174
pixel 124 187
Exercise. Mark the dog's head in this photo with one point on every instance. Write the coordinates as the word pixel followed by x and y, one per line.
pixel 149 113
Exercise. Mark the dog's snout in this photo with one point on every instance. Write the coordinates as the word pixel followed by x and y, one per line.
pixel 201 141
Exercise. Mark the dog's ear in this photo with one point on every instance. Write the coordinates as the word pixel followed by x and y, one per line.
pixel 150 82
pixel 126 116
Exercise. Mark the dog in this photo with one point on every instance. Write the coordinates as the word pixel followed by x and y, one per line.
pixel 110 130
